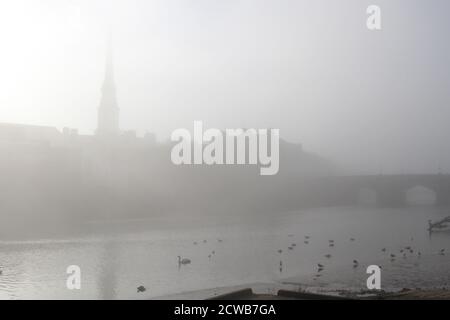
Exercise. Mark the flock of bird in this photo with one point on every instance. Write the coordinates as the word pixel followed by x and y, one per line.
pixel 355 263
pixel 408 249
pixel 183 261
pixel 320 266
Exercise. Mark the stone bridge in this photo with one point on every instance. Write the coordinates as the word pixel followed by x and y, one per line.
pixel 390 189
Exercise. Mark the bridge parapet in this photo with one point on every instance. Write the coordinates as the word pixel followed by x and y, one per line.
pixel 391 189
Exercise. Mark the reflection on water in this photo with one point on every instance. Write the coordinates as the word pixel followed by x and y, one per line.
pixel 109 268
pixel 235 251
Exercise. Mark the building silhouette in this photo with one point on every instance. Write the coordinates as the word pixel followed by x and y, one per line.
pixel 50 175
pixel 108 111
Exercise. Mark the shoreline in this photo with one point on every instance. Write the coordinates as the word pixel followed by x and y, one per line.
pixel 278 291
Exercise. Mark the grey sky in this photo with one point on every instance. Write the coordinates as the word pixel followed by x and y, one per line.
pixel 370 100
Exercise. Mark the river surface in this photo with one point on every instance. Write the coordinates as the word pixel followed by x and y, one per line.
pixel 233 251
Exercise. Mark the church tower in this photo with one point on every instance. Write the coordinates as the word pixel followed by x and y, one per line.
pixel 108 111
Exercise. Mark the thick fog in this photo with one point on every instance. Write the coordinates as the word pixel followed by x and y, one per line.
pixel 158 147
pixel 372 101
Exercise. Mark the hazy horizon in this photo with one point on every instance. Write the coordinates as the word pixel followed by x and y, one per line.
pixel 373 101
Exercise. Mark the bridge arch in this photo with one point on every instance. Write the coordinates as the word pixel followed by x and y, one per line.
pixel 420 195
pixel 389 190
pixel 367 196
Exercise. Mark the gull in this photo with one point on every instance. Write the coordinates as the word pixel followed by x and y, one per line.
pixel 183 261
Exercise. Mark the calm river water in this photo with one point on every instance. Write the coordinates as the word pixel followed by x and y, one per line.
pixel 233 251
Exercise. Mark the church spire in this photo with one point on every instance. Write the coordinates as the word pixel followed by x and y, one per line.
pixel 108 111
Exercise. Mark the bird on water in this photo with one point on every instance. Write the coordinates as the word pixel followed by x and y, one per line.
pixel 141 289
pixel 183 261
